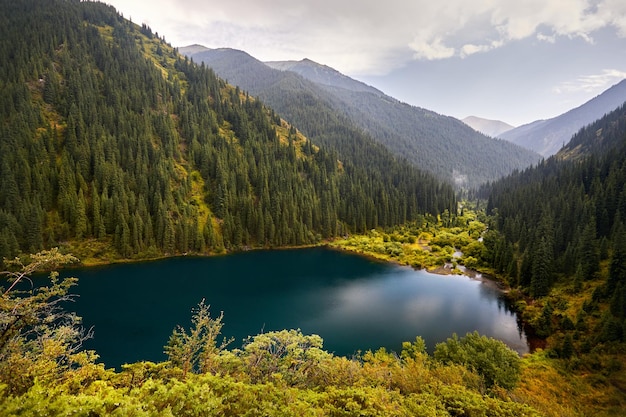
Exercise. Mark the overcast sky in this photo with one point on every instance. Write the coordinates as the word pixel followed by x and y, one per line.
pixel 511 60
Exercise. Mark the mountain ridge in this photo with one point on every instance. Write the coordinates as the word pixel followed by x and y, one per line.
pixel 488 127
pixel 548 136
pixel 115 139
pixel 433 142
pixel 598 137
pixel 322 74
pixel 192 49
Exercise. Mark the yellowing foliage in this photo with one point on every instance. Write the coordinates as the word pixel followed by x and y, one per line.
pixel 428 243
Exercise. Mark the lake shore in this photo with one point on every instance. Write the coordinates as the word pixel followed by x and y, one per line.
pixel 473 274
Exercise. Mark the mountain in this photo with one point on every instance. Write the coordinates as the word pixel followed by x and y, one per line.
pixel 548 136
pixel 604 134
pixel 423 137
pixel 561 223
pixel 115 146
pixel 559 229
pixel 488 127
pixel 192 49
pixel 306 93
pixel 323 74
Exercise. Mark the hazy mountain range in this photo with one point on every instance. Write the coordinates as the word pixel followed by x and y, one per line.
pixel 548 136
pixel 323 74
pixel 320 101
pixel 488 127
pixel 161 156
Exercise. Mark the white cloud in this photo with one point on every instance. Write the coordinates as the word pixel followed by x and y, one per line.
pixel 371 36
pixel 431 49
pixel 470 49
pixel 546 38
pixel 591 83
pixel 613 12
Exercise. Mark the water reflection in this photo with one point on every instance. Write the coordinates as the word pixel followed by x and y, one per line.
pixel 352 302
pixel 387 309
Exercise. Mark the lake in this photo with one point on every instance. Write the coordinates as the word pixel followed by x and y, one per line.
pixel 352 302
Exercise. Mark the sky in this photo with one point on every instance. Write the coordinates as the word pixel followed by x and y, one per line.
pixel 510 60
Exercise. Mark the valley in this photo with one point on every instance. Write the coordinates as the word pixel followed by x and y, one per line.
pixel 306 92
pixel 115 147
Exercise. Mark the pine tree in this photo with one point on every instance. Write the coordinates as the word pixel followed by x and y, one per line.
pixel 81 216
pixel 589 253
pixel 617 266
pixel 542 258
pixel 567 349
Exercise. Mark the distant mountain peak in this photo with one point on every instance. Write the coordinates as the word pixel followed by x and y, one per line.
pixel 487 126
pixel 338 111
pixel 323 74
pixel 192 49
pixel 548 136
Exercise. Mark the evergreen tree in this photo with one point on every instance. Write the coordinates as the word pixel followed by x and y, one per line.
pixel 617 266
pixel 140 156
pixel 542 258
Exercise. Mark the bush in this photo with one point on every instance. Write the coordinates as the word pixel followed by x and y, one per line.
pixel 497 364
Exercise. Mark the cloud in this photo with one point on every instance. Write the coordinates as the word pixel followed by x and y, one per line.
pixel 371 36
pixel 591 83
pixel 431 49
pixel 470 49
pixel 613 12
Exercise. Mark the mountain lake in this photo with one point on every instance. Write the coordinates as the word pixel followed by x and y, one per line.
pixel 354 303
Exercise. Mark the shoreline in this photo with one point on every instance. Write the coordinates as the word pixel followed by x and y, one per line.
pixel 447 269
pixel 473 274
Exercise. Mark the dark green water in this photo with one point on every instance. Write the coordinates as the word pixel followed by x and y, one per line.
pixel 352 302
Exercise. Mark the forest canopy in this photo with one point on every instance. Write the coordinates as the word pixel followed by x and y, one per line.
pixel 108 135
pixel 114 146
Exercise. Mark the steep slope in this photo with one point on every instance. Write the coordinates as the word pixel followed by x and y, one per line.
pixel 573 199
pixel 424 137
pixel 559 235
pixel 108 136
pixel 301 101
pixel 488 127
pixel 562 223
pixel 442 145
pixel 598 137
pixel 323 74
pixel 548 136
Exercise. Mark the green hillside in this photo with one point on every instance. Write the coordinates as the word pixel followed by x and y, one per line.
pixel 558 236
pixel 114 145
pixel 597 137
pixel 327 106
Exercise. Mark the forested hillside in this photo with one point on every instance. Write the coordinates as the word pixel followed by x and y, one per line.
pixel 112 146
pixel 108 136
pixel 329 103
pixel 561 237
pixel 598 137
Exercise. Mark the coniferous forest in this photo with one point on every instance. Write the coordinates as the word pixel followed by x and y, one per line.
pixel 562 222
pixel 379 124
pixel 115 147
pixel 109 134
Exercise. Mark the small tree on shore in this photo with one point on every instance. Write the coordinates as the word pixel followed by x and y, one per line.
pixel 38 337
pixel 195 350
